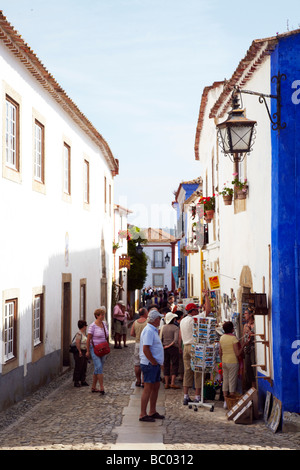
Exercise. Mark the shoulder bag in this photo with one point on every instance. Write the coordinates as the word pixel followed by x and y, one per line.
pixel 102 349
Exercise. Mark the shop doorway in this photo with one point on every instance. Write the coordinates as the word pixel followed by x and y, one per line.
pixel 246 287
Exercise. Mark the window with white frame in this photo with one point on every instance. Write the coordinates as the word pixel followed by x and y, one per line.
pixel 105 194
pixel 10 329
pixel 37 319
pixel 38 152
pixel 109 199
pixel 86 182
pixel 158 280
pixel 67 169
pixel 12 134
pixel 82 314
pixel 158 259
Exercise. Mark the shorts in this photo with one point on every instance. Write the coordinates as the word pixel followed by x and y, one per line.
pixel 137 354
pixel 151 373
pixel 120 328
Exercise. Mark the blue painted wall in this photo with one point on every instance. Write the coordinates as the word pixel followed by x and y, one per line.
pixel 285 230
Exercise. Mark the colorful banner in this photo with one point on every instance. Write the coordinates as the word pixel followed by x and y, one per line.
pixel 175 274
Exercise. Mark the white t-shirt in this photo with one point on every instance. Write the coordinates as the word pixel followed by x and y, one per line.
pixel 186 327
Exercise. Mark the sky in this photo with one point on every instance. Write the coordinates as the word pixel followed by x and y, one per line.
pixel 137 70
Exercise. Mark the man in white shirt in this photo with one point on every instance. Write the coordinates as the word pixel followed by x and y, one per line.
pixel 151 359
pixel 186 336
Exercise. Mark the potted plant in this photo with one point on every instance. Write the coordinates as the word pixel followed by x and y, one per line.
pixel 124 234
pixel 227 194
pixel 209 391
pixel 115 247
pixel 241 187
pixel 209 207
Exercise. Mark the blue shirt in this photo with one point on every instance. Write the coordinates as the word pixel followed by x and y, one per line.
pixel 150 337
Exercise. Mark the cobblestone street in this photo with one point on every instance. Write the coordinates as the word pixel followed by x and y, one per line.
pixel 62 417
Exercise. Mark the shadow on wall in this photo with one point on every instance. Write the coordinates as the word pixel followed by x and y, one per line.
pixel 72 287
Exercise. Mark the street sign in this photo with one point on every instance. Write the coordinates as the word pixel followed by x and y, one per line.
pixel 124 262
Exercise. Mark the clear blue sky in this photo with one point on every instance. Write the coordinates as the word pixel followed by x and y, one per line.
pixel 137 69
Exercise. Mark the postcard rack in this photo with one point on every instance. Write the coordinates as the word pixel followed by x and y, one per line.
pixel 204 353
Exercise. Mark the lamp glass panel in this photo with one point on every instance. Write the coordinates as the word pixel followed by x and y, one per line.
pixel 241 138
pixel 225 141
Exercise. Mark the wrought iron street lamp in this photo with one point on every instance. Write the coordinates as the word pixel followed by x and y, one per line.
pixel 236 134
pixel 139 248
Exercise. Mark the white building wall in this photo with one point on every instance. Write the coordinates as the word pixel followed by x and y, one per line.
pixel 249 232
pixel 120 223
pixel 37 225
pixel 241 238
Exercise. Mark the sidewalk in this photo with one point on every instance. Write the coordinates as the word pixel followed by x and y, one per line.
pixel 134 434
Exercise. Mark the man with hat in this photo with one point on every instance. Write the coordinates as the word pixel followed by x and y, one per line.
pixel 169 338
pixel 119 317
pixel 186 336
pixel 151 359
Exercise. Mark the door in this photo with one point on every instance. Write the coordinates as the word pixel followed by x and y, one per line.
pixel 66 323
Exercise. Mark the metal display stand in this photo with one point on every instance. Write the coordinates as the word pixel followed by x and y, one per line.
pixel 201 403
pixel 204 353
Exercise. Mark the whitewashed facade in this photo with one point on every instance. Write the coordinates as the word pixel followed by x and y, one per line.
pixel 120 273
pixel 56 209
pixel 160 245
pixel 239 238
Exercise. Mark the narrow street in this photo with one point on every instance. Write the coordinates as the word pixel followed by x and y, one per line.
pixel 61 417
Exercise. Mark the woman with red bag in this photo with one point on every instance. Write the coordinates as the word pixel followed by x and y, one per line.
pixel 97 333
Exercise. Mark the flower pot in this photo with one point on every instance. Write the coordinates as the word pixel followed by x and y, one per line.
pixel 209 215
pixel 209 393
pixel 227 199
pixel 241 193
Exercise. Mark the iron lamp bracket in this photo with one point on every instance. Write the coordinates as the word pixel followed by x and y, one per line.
pixel 275 119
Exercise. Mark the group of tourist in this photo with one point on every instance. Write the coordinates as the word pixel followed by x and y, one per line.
pixel 85 342
pixel 163 342
pixel 162 339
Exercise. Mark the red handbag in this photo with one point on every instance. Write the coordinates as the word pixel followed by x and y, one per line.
pixel 102 349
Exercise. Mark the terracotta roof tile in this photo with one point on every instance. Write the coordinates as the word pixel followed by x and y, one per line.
pixel 158 235
pixel 14 42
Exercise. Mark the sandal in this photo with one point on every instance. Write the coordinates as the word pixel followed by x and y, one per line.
pixel 147 419
pixel 157 416
pixel 138 384
pixel 95 390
